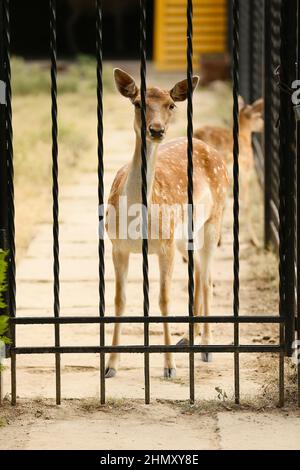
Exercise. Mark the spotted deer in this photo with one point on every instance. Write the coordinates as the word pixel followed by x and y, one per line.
pixel 250 120
pixel 166 186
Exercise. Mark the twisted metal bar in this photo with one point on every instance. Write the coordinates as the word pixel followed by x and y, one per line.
pixel 55 207
pixel 100 191
pixel 143 44
pixel 3 143
pixel 275 18
pixel 287 147
pixel 236 247
pixel 298 209
pixel 10 189
pixel 190 190
pixel 287 184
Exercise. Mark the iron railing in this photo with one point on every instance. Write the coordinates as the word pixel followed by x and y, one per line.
pixel 285 320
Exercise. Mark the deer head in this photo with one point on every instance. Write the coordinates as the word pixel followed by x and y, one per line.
pixel 252 115
pixel 160 104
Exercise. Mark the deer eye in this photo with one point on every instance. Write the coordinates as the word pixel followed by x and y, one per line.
pixel 137 105
pixel 172 106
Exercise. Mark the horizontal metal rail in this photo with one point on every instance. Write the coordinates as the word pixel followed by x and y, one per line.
pixel 230 348
pixel 153 319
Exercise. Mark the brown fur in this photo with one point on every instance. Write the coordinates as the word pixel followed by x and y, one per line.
pixel 250 120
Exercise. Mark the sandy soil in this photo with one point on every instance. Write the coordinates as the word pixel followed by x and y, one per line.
pixel 80 422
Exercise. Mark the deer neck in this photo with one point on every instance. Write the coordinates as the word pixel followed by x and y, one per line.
pixel 132 187
pixel 245 140
pixel 245 134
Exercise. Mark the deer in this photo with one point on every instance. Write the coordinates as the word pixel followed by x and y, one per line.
pixel 250 121
pixel 166 185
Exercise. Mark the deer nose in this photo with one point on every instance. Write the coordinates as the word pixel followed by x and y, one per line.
pixel 156 131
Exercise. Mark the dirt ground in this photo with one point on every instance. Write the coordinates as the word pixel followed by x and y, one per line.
pixel 214 422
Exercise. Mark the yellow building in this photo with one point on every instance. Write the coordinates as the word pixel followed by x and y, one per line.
pixel 210 31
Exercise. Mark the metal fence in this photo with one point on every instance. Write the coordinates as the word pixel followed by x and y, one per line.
pixel 260 31
pixel 285 205
pixel 269 48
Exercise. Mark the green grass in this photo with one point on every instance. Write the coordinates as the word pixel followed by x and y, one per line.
pixel 30 78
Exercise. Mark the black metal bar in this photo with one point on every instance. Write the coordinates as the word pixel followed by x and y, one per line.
pixel 256 60
pixel 143 66
pixel 10 195
pixel 290 161
pixel 281 366
pixel 3 156
pixel 267 123
pixel 271 116
pixel 153 319
pixel 190 191
pixel 236 267
pixel 287 136
pixel 100 192
pixel 251 39
pixel 150 349
pixel 56 284
pixel 246 33
pixel 298 208
pixel 256 68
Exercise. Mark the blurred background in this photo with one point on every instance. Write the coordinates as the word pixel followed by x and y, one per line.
pixel 166 53
pixel 166 30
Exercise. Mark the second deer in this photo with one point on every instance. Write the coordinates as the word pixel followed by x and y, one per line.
pixel 250 120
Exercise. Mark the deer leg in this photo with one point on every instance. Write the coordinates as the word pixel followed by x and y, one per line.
pixel 120 261
pixel 166 263
pixel 206 258
pixel 198 311
pixel 197 306
pixel 245 200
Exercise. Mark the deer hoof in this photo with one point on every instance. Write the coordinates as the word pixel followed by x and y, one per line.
pixel 110 372
pixel 169 372
pixel 183 342
pixel 206 357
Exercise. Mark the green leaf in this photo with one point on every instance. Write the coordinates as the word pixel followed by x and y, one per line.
pixel 3 324
pixel 3 286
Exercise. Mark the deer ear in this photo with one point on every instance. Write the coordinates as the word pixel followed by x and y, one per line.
pixel 258 106
pixel 180 90
pixel 242 103
pixel 125 84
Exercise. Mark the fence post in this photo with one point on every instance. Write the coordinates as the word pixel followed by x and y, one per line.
pixel 298 204
pixel 245 49
pixel 3 154
pixel 268 123
pixel 287 132
pixel 3 147
pixel 3 171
